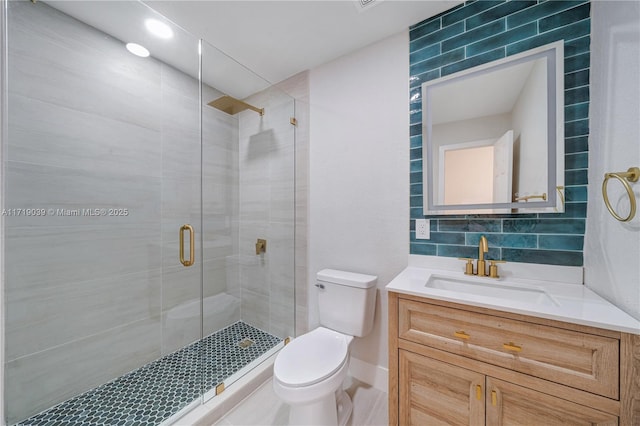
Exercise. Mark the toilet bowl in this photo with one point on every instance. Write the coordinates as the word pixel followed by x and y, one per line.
pixel 308 372
pixel 308 375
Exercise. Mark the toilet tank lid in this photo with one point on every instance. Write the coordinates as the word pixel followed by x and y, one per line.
pixel 350 279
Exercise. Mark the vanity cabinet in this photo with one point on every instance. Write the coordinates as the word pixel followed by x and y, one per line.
pixel 434 392
pixel 455 364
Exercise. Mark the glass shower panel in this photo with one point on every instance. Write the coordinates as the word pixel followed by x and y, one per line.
pixel 248 155
pixel 102 169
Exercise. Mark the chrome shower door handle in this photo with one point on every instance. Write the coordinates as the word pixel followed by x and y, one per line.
pixel 192 245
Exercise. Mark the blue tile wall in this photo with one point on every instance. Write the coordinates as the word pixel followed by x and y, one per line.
pixel 482 31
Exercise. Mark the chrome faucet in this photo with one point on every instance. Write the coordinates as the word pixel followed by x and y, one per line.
pixel 483 247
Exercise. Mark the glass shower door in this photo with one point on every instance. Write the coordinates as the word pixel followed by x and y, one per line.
pixel 102 171
pixel 150 215
pixel 248 155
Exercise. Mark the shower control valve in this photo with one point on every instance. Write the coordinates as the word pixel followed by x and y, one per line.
pixel 261 246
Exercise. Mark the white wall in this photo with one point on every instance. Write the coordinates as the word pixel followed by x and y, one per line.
pixel 612 248
pixel 359 174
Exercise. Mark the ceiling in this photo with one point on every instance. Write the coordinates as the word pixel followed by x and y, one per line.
pixel 274 39
pixel 278 39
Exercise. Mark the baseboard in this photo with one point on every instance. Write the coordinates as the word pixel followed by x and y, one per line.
pixel 374 375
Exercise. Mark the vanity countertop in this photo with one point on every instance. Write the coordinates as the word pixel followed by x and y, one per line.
pixel 568 302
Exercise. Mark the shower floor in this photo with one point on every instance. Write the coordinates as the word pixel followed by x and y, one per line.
pixel 153 393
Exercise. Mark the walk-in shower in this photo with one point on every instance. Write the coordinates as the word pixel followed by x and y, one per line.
pixel 132 284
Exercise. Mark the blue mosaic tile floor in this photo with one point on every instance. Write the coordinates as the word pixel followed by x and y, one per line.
pixel 156 391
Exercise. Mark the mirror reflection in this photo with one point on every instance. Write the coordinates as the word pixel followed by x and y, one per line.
pixel 493 141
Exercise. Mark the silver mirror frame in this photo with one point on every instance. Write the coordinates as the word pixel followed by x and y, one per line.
pixel 554 203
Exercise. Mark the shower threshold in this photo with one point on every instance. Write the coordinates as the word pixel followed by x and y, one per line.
pixel 156 392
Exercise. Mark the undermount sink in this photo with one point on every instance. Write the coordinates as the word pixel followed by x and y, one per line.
pixel 483 287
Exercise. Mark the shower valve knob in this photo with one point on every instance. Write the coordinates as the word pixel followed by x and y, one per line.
pixel 261 246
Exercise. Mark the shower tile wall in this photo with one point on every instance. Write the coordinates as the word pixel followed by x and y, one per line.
pixel 266 164
pixel 91 126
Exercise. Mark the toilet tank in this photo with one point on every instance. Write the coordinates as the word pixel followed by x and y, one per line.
pixel 346 301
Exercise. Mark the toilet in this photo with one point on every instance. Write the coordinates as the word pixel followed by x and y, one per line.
pixel 308 372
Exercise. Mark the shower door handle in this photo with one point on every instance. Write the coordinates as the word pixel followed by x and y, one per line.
pixel 192 245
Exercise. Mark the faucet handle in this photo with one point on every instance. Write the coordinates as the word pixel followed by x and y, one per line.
pixel 468 270
pixel 493 268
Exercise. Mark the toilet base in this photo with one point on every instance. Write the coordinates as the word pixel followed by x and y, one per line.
pixel 321 412
pixel 334 409
pixel 344 407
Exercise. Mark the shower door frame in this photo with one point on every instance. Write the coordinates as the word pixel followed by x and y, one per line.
pixel 3 137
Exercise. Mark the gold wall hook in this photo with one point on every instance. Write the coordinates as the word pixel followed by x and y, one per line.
pixel 631 175
pixel 261 246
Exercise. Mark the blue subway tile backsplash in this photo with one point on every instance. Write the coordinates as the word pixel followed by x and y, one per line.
pixel 565 18
pixel 579 144
pixel 473 61
pixel 460 13
pixel 576 112
pixel 501 39
pixel 549 257
pixel 475 33
pixel 541 10
pixel 468 37
pixel 500 12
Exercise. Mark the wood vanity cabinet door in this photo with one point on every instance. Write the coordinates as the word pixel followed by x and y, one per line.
pixel 509 404
pixel 436 393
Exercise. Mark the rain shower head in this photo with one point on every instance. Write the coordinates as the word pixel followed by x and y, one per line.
pixel 233 106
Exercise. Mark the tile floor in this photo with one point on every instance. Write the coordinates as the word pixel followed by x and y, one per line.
pixel 154 392
pixel 263 408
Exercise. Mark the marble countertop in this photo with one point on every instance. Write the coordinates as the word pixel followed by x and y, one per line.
pixel 568 302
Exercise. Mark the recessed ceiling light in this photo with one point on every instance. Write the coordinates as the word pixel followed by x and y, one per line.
pixel 159 29
pixel 137 50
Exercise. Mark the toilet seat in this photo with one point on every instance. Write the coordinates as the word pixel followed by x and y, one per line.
pixel 311 358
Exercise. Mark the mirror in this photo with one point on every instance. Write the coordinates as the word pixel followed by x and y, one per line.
pixel 494 137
